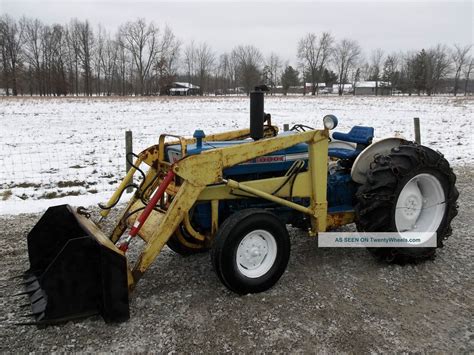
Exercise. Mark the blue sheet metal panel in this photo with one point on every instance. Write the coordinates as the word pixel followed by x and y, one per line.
pixel 341 190
pixel 277 161
pixel 342 153
pixel 192 149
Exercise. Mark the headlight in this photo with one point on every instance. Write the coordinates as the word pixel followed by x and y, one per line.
pixel 330 121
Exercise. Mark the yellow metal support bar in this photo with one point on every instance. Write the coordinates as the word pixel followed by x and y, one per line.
pixel 184 242
pixel 301 188
pixel 240 186
pixel 113 199
pixel 318 162
pixel 214 216
pixel 190 229
pixel 179 207
pixel 215 160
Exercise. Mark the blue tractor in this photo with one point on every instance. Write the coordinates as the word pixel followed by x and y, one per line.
pixel 234 193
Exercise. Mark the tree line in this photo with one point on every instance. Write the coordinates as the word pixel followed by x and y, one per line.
pixel 142 58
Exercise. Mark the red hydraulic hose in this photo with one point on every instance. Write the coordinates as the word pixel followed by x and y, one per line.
pixel 149 207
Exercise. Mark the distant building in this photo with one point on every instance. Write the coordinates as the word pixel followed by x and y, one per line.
pixel 308 87
pixel 183 89
pixel 345 90
pixel 370 88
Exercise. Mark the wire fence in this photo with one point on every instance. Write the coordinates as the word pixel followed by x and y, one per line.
pixel 42 171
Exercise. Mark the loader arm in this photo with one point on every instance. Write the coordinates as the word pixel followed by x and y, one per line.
pixel 206 168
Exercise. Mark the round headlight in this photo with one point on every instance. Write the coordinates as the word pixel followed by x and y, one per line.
pixel 330 121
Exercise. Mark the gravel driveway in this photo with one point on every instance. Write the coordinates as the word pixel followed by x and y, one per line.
pixel 329 300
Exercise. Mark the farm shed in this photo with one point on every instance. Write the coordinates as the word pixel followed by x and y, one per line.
pixel 370 88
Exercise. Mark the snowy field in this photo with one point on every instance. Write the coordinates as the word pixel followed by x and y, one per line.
pixel 72 150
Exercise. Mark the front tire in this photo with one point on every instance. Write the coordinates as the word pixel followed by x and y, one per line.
pixel 412 189
pixel 250 251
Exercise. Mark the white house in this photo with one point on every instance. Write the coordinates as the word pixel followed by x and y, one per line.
pixel 309 86
pixel 183 89
pixel 346 89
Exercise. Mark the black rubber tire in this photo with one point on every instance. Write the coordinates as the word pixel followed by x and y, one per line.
pixel 179 248
pixel 377 198
pixel 227 240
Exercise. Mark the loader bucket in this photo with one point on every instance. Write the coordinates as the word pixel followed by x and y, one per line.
pixel 75 270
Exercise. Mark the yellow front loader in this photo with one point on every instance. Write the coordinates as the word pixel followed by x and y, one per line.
pixel 76 270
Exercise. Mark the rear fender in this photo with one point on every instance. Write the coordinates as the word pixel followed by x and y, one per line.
pixel 366 157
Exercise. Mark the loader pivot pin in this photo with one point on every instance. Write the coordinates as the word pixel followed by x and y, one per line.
pixel 149 207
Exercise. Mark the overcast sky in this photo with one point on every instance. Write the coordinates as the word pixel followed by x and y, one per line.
pixel 274 25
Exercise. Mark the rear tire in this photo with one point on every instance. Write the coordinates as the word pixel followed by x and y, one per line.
pixel 411 175
pixel 250 251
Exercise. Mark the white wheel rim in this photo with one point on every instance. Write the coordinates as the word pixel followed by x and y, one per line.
pixel 421 205
pixel 256 253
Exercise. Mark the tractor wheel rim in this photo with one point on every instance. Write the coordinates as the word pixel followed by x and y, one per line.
pixel 421 205
pixel 256 253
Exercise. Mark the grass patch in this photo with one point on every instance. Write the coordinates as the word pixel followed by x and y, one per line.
pixel 49 195
pixel 70 193
pixel 6 194
pixel 25 185
pixel 56 194
pixel 71 183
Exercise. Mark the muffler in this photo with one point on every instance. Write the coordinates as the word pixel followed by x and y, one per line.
pixel 75 270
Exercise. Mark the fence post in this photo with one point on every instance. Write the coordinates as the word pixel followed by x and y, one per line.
pixel 286 127
pixel 416 121
pixel 128 156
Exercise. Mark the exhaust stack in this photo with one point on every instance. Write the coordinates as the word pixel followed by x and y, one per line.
pixel 257 114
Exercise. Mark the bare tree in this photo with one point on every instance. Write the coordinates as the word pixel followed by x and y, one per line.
pixel 32 29
pixel 273 68
pixel 11 39
pixel 205 61
pixel 365 70
pixel 459 56
pixel 141 40
pixel 58 61
pixel 467 72
pixel 98 56
pixel 190 61
pixel 391 71
pixel 153 52
pixel 346 55
pixel 166 63
pixel 376 59
pixel 356 73
pixel 313 53
pixel 222 73
pixel 82 40
pixel 199 61
pixel 107 60
pixel 248 61
pixel 440 63
pixel 73 45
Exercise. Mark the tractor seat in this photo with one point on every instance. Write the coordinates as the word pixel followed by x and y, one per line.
pixel 360 135
pixel 357 134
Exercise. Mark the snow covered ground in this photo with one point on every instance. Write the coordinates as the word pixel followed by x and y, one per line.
pixel 71 150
